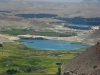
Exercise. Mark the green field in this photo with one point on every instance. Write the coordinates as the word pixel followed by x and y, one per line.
pixel 32 32
pixel 26 61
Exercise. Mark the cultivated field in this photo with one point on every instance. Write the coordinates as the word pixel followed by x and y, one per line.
pixel 27 61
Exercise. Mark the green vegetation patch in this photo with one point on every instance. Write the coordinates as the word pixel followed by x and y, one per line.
pixel 17 31
pixel 32 32
pixel 18 59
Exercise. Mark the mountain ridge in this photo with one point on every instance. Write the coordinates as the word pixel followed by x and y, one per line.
pixel 91 0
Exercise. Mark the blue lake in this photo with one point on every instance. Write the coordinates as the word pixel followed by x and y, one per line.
pixel 80 25
pixel 51 45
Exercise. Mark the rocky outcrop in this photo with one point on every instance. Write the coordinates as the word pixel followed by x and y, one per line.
pixel 87 63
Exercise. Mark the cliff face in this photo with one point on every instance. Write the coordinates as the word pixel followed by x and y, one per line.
pixel 87 63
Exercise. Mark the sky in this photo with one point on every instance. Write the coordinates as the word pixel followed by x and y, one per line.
pixel 60 0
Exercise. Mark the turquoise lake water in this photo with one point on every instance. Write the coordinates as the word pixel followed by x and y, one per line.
pixel 52 45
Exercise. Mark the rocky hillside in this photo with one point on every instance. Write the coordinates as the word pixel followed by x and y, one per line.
pixel 95 34
pixel 92 38
pixel 87 63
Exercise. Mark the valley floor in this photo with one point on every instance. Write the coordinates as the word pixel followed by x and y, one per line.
pixel 27 61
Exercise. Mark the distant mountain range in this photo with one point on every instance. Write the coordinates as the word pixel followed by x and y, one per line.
pixel 33 0
pixel 22 12
pixel 4 0
pixel 91 0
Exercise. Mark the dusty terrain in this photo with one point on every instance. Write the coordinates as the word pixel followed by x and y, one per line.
pixel 9 10
pixel 92 37
pixel 7 38
pixel 62 9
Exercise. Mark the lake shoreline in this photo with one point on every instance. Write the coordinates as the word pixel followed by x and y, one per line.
pixel 68 39
pixel 51 44
pixel 73 39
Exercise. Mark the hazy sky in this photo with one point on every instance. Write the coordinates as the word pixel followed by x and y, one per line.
pixel 60 0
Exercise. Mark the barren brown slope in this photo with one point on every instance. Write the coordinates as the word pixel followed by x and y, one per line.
pixel 95 34
pixel 87 63
pixel 92 38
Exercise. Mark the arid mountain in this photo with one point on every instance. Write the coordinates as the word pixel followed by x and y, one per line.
pixel 95 34
pixel 60 9
pixel 87 63
pixel 15 12
pixel 92 38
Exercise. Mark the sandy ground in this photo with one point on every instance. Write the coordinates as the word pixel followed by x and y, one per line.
pixel 7 38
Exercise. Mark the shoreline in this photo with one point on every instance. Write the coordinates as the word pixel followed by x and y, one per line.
pixel 73 39
pixel 33 44
pixel 68 39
